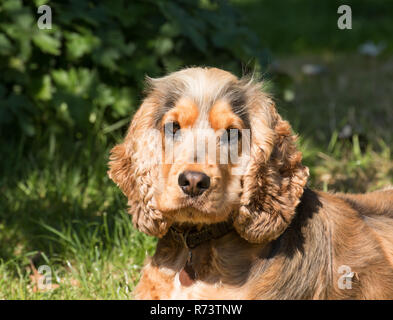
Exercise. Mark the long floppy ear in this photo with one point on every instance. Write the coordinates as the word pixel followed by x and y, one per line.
pixel 134 167
pixel 274 179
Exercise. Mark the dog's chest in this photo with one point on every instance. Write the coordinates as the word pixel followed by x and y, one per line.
pixel 163 284
pixel 203 290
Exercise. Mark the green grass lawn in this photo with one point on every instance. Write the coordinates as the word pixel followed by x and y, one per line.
pixel 65 213
pixel 59 208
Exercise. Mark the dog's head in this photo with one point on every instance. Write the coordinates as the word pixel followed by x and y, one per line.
pixel 205 146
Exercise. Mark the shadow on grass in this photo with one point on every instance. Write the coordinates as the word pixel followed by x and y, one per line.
pixel 66 207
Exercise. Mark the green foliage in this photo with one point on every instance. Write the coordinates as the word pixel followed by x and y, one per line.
pixel 300 26
pixel 87 72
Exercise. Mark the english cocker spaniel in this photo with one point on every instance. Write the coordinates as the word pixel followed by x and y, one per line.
pixel 211 169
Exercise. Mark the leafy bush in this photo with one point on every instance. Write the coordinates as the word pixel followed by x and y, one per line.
pixel 86 73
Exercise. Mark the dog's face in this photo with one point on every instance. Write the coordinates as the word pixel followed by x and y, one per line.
pixel 198 148
pixel 202 146
pixel 196 186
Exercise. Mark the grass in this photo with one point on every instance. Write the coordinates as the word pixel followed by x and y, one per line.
pixel 65 213
pixel 354 93
pixel 59 208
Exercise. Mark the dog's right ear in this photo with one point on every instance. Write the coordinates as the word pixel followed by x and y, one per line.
pixel 135 168
pixel 120 169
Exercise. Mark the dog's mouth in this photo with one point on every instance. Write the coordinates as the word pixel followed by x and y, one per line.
pixel 206 208
pixel 200 203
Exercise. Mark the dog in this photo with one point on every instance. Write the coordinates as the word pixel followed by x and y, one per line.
pixel 248 228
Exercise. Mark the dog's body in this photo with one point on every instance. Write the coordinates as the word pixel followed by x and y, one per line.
pixel 337 247
pixel 284 241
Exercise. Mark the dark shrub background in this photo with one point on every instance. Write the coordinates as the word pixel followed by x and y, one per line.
pixel 86 74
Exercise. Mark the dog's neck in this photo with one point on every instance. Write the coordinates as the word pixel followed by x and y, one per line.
pixel 194 235
pixel 205 260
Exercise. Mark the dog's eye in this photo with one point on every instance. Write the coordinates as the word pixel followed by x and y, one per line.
pixel 171 128
pixel 234 135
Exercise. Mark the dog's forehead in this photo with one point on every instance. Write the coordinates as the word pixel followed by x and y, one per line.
pixel 202 89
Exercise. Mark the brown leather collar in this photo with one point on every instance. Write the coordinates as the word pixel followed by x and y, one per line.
pixel 191 237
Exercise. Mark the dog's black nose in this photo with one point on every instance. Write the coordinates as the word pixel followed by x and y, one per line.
pixel 194 183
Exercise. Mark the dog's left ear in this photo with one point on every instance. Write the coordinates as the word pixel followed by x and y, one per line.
pixel 275 177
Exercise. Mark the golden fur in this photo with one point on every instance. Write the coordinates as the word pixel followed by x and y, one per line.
pixel 288 241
